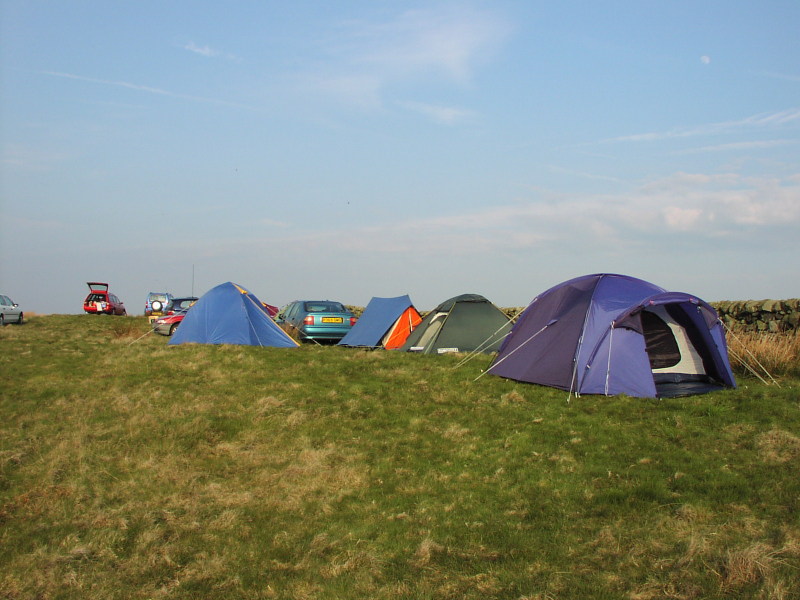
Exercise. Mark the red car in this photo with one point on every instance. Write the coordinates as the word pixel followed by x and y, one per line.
pixel 167 324
pixel 101 302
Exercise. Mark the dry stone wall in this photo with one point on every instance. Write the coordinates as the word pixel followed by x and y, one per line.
pixel 773 316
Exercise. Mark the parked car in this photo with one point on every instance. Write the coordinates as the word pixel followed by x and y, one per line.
pixel 178 305
pixel 101 302
pixel 167 324
pixel 156 303
pixel 317 320
pixel 10 312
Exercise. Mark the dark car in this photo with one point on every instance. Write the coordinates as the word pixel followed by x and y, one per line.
pixel 176 310
pixel 317 320
pixel 101 302
pixel 180 305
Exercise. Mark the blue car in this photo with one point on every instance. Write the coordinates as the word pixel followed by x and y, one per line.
pixel 316 320
pixel 156 304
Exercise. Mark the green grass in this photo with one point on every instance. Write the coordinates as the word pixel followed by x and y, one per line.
pixel 130 469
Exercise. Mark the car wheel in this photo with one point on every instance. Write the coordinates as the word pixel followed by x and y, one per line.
pixel 172 328
pixel 2 320
pixel 19 321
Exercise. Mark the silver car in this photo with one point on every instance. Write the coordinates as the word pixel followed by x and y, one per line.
pixel 10 312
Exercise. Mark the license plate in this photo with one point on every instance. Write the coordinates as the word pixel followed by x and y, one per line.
pixel 332 319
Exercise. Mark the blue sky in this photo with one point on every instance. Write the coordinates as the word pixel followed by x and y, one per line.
pixel 352 149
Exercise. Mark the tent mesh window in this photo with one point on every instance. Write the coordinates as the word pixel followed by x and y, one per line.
pixel 662 347
pixel 432 331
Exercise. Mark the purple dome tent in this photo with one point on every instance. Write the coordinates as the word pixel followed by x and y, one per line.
pixel 612 334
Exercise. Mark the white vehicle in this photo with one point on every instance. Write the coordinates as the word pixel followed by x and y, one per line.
pixel 10 312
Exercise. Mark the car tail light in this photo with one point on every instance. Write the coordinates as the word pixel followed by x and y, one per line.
pixel 353 321
pixel 309 320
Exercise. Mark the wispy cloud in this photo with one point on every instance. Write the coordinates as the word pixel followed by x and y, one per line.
pixel 717 206
pixel 362 90
pixel 201 50
pixel 737 146
pixel 448 42
pixel 447 115
pixel 757 121
pixel 21 157
pixel 443 45
pixel 208 51
pixel 274 223
pixel 142 88
pixel 784 76
pixel 584 175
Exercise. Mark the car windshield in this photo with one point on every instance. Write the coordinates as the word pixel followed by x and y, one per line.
pixel 329 307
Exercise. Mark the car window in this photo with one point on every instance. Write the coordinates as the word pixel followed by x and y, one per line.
pixel 291 311
pixel 182 304
pixel 316 307
pixel 5 300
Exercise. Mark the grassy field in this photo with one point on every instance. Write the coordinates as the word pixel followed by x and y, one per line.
pixel 130 469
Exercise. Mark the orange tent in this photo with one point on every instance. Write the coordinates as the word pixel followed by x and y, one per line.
pixel 401 329
pixel 385 323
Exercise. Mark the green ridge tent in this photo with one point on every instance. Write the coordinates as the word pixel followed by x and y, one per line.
pixel 465 323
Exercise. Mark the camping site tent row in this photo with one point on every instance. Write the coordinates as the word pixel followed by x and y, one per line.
pixel 230 314
pixel 385 323
pixel 465 323
pixel 612 334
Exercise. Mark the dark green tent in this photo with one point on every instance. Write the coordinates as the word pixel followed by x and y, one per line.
pixel 466 323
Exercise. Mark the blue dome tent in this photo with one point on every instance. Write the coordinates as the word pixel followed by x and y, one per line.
pixel 230 314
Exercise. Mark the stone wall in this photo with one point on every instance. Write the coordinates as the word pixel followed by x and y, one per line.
pixel 772 316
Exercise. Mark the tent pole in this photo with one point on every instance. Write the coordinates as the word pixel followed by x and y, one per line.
pixel 608 363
